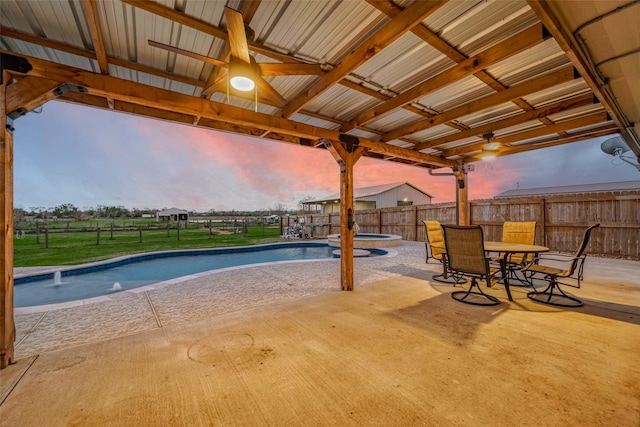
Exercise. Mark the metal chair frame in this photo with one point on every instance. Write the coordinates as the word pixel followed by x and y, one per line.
pixel 553 293
pixel 465 255
pixel 433 232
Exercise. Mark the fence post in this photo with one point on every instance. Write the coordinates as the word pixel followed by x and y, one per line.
pixel 98 233
pixel 209 228
pixel 140 232
pixel 37 233
pixel 111 231
pixel 46 238
pixel 178 229
pixel 168 222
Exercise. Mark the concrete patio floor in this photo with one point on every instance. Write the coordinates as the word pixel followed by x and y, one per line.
pixel 281 345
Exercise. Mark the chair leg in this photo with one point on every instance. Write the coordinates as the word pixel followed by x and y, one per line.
pixel 545 297
pixel 452 279
pixel 463 295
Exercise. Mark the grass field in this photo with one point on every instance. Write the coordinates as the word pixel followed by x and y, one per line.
pixel 78 247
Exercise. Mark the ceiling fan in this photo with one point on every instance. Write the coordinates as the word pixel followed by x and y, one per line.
pixel 243 73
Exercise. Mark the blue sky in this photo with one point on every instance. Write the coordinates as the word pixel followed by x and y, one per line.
pixel 90 157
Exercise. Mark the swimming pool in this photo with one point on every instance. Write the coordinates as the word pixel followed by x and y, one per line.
pixel 78 283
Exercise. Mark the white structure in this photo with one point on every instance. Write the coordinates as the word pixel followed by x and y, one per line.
pixel 571 189
pixel 376 197
pixel 173 214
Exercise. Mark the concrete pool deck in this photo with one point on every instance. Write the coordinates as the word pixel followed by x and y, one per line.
pixel 281 345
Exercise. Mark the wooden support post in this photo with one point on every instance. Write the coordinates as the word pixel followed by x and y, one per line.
pixel 346 156
pixel 7 325
pixel 462 196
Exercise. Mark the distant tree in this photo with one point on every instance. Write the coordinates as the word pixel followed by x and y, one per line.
pixel 279 209
pixel 19 214
pixel 66 210
pixel 38 211
pixel 304 199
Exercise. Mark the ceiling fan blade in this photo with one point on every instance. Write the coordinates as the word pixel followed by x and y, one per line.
pixel 266 94
pixel 275 69
pixel 237 35
pixel 173 49
pixel 264 88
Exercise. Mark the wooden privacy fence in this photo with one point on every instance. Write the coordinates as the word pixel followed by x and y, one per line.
pixel 561 220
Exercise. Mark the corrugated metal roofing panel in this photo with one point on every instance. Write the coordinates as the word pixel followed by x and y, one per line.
pixel 558 92
pixel 314 30
pixel 482 25
pixel 576 112
pixel 432 132
pixel 389 121
pixel 53 55
pixel 529 63
pixel 487 115
pixel 342 103
pixel 400 62
pixel 456 94
pixel 314 121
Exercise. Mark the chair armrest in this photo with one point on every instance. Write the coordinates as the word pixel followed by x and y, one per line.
pixel 558 257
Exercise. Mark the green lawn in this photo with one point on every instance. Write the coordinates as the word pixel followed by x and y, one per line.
pixel 69 248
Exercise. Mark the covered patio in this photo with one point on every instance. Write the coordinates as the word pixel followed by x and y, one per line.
pixel 434 84
pixel 397 351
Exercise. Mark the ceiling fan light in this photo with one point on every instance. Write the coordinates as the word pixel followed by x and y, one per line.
pixel 242 83
pixel 242 76
pixel 488 155
pixel 491 146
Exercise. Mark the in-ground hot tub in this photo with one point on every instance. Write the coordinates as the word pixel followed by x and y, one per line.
pixel 368 240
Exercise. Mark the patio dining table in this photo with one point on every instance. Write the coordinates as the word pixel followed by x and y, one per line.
pixel 505 249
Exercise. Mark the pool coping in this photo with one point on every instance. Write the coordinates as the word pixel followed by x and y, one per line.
pixel 128 259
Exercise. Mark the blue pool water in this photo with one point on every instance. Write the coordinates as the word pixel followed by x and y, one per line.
pixel 147 269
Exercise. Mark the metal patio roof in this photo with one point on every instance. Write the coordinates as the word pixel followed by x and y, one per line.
pixel 417 82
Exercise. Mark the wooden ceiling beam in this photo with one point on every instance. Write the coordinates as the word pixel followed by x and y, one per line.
pixel 590 120
pixel 531 86
pixel 422 31
pixel 7 32
pixel 29 93
pixel 180 18
pixel 580 136
pixel 509 47
pixel 415 13
pixel 547 110
pixel 567 44
pixel 93 22
pixel 136 93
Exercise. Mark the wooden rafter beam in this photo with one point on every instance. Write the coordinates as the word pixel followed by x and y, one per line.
pixel 549 80
pixel 590 120
pixel 547 110
pixel 509 47
pixel 136 93
pixel 415 13
pixel 422 31
pixel 93 22
pixel 568 45
pixel 7 32
pixel 30 93
pixel 553 142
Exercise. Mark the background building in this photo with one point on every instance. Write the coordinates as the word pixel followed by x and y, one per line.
pixel 375 197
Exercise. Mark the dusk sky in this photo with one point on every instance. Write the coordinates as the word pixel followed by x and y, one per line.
pixel 90 157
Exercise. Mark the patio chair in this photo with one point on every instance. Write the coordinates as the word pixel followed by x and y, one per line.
pixel 518 232
pixel 435 249
pixel 465 255
pixel 573 268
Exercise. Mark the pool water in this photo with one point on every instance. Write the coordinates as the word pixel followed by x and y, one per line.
pixel 141 273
